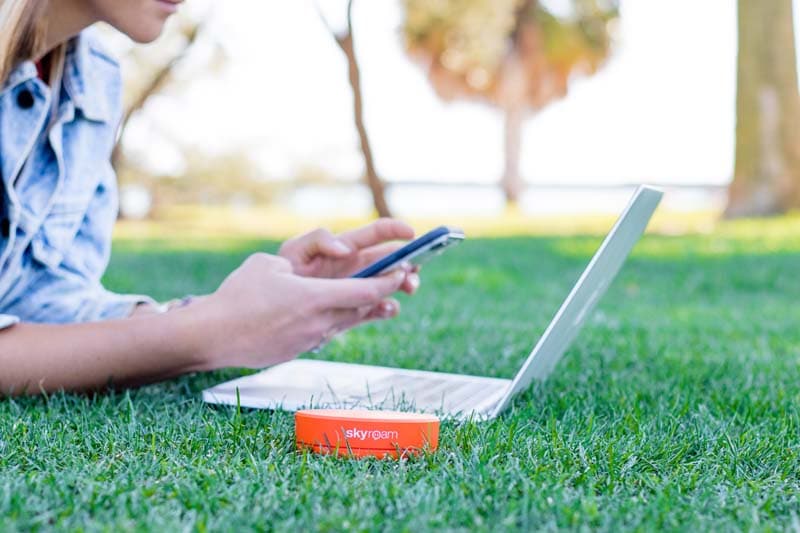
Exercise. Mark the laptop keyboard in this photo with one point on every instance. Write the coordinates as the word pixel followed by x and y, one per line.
pixel 429 393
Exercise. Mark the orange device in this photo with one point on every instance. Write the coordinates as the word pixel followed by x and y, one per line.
pixel 362 433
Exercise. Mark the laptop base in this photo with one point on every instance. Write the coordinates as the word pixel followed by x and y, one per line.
pixel 308 383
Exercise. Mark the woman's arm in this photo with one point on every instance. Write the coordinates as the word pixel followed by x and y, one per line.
pixel 41 357
pixel 262 314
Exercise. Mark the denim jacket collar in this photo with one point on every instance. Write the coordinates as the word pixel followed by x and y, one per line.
pixel 81 80
pixel 21 73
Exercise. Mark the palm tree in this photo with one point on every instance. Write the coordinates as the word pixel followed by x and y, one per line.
pixel 514 54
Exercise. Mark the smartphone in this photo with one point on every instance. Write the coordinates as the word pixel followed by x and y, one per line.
pixel 417 251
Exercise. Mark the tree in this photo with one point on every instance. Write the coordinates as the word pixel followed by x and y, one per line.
pixel 185 51
pixel 766 177
pixel 157 80
pixel 515 54
pixel 346 42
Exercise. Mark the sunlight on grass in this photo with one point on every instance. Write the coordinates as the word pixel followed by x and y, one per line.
pixel 210 224
pixel 214 228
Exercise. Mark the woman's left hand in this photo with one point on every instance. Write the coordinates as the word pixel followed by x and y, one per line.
pixel 321 254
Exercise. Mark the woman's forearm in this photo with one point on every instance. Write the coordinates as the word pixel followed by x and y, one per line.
pixel 38 357
pixel 261 315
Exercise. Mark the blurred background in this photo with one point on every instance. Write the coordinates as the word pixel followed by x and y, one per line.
pixel 268 117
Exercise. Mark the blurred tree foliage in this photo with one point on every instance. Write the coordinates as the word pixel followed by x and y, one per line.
pixel 767 167
pixel 518 55
pixel 184 51
pixel 210 179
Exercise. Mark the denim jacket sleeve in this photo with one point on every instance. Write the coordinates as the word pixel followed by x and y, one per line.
pixel 59 193
pixel 6 321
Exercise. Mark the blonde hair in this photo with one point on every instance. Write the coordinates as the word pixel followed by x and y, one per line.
pixel 22 33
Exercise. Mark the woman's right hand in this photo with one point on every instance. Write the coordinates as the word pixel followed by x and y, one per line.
pixel 263 314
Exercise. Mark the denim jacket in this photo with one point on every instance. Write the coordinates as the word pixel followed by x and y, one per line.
pixel 59 192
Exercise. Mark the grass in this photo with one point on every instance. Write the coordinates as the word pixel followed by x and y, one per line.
pixel 677 408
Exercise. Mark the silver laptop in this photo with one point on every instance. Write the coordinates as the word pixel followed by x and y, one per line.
pixel 308 383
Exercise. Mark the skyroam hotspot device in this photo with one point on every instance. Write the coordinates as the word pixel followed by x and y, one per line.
pixel 364 433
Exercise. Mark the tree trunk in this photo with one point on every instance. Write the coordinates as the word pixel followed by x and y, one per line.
pixel 376 185
pixel 767 168
pixel 511 181
pixel 513 100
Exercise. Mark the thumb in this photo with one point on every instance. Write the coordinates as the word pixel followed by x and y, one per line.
pixel 353 292
pixel 332 247
pixel 323 242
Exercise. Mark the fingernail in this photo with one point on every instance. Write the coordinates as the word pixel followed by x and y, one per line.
pixel 341 247
pixel 413 279
pixel 387 309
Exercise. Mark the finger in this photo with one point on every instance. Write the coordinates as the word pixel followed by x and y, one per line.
pixel 323 242
pixel 331 246
pixel 388 308
pixel 344 319
pixel 353 292
pixel 411 284
pixel 382 230
pixel 369 255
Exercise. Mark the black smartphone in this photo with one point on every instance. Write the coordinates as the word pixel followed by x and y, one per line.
pixel 417 251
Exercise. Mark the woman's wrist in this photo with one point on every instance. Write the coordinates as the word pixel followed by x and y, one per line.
pixel 194 329
pixel 145 309
pixel 183 333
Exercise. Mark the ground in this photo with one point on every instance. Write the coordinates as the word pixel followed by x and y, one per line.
pixel 676 408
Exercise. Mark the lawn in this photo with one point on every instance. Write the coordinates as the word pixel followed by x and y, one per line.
pixel 678 407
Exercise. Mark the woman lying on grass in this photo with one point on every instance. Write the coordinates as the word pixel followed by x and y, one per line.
pixel 59 110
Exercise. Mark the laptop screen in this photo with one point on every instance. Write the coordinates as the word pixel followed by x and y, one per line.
pixel 590 287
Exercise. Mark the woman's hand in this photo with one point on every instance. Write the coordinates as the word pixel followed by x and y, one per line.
pixel 321 254
pixel 264 313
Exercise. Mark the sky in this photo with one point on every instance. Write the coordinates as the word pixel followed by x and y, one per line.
pixel 662 110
